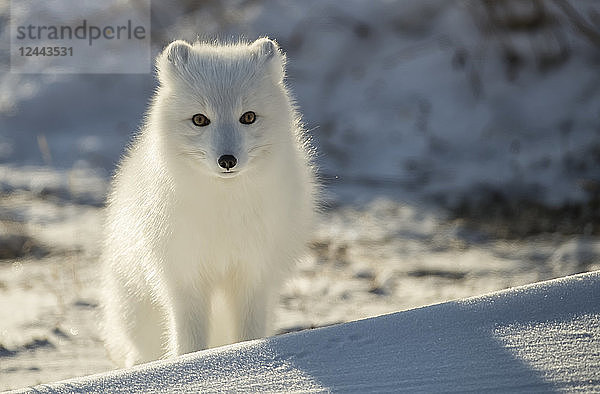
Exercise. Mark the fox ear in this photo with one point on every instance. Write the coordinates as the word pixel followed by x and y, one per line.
pixel 173 58
pixel 268 51
pixel 177 52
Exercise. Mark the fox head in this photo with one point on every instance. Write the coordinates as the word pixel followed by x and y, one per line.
pixel 222 108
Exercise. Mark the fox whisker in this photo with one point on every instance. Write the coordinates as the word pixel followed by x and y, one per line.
pixel 256 147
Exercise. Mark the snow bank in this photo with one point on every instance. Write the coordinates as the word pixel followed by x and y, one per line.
pixel 536 338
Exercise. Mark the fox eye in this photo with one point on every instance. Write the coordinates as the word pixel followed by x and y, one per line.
pixel 248 117
pixel 200 120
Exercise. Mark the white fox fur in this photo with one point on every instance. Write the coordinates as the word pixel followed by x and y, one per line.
pixel 180 227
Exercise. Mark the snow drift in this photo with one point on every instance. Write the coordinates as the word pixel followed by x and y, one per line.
pixel 537 338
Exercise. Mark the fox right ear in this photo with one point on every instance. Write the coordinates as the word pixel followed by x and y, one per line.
pixel 177 52
pixel 174 57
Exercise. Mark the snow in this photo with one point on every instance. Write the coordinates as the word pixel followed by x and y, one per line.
pixel 414 106
pixel 537 338
pixel 381 258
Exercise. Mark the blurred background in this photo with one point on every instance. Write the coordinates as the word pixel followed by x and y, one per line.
pixel 458 145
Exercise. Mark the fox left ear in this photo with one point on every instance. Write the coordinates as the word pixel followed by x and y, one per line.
pixel 271 55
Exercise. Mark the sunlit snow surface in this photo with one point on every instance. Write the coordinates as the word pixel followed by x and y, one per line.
pixel 538 338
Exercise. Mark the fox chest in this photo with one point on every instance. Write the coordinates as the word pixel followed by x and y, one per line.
pixel 225 234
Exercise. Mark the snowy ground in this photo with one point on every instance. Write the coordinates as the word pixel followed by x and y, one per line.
pixel 496 119
pixel 379 258
pixel 538 338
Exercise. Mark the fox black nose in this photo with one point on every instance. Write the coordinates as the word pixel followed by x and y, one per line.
pixel 227 161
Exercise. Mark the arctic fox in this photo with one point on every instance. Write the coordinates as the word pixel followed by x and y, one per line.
pixel 216 194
